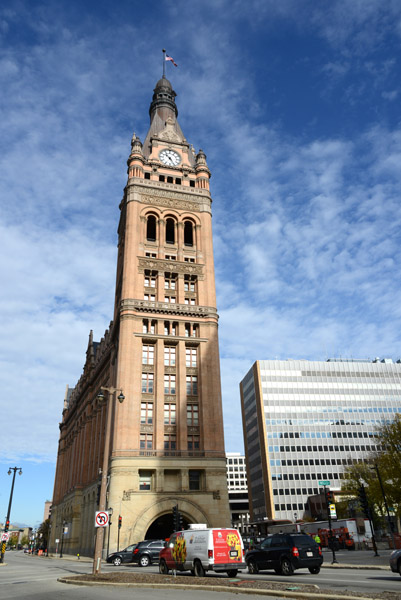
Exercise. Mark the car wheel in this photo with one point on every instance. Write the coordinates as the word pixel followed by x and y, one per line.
pixel 117 561
pixel 198 569
pixel 286 566
pixel 232 572
pixel 144 561
pixel 314 570
pixel 253 567
pixel 163 568
pixel 399 567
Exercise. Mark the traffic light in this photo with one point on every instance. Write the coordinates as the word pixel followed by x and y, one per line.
pixel 363 501
pixel 329 497
pixel 7 527
pixel 120 521
pixel 180 522
pixel 98 494
pixel 175 518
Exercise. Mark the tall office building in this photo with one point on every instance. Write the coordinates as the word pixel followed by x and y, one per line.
pixel 161 351
pixel 238 491
pixel 304 421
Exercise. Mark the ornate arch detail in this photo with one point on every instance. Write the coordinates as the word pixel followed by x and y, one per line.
pixel 188 508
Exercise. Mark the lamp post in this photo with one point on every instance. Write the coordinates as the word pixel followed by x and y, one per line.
pixel 62 538
pixel 110 511
pixel 390 525
pixel 97 559
pixel 7 525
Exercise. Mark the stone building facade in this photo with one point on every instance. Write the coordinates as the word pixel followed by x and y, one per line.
pixel 161 350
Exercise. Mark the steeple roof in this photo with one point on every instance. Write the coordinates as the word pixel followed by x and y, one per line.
pixel 163 109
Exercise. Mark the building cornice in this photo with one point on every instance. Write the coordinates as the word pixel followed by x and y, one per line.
pixel 132 305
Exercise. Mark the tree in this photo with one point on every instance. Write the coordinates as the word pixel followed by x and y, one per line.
pixel 387 461
pixel 43 534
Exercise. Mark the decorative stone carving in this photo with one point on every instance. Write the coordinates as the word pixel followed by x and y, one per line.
pixel 172 266
pixel 169 398
pixel 169 133
pixel 186 310
pixel 170 429
pixel 170 370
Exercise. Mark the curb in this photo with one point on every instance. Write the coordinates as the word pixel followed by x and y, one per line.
pixel 348 566
pixel 220 588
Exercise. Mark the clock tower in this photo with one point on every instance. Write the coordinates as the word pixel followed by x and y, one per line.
pixel 168 446
pixel 161 350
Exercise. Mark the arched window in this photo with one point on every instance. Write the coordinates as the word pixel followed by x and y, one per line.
pixel 151 228
pixel 170 231
pixel 188 234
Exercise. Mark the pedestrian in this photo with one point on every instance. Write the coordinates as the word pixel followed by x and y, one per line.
pixel 317 539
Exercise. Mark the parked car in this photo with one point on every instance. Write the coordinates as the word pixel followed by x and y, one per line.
pixel 122 556
pixel 395 561
pixel 285 552
pixel 147 552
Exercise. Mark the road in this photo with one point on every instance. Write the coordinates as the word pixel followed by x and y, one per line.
pixel 35 578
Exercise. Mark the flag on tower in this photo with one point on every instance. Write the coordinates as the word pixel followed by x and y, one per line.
pixel 167 57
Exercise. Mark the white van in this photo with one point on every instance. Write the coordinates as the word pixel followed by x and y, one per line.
pixel 199 549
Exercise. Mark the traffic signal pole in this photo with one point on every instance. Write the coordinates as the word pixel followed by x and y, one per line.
pixel 363 499
pixel 328 497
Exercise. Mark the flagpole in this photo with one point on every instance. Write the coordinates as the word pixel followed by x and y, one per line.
pixel 164 63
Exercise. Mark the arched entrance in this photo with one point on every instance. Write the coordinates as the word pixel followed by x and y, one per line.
pixel 163 527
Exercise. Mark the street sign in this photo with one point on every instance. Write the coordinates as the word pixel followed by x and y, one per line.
pixel 5 537
pixel 101 518
pixel 324 482
pixel 333 512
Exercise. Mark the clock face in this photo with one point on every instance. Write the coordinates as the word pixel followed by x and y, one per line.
pixel 169 158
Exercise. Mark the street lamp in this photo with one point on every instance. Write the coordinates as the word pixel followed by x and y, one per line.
pixel 110 511
pixel 63 527
pixel 7 525
pixel 97 559
pixel 390 524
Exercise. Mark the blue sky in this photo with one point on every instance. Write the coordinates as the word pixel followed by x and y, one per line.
pixel 296 104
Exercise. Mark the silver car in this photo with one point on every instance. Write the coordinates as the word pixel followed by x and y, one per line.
pixel 395 561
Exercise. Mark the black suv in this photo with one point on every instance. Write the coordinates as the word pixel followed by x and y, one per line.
pixel 123 556
pixel 285 552
pixel 147 552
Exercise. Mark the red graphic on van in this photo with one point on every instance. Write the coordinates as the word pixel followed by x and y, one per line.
pixel 227 547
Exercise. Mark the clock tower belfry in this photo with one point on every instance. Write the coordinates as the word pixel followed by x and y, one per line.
pixel 168 443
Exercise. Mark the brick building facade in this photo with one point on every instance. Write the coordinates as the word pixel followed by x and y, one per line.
pixel 161 351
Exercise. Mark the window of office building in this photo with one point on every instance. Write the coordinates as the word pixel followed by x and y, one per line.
pixel 148 354
pixel 169 384
pixel 169 413
pixel 146 413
